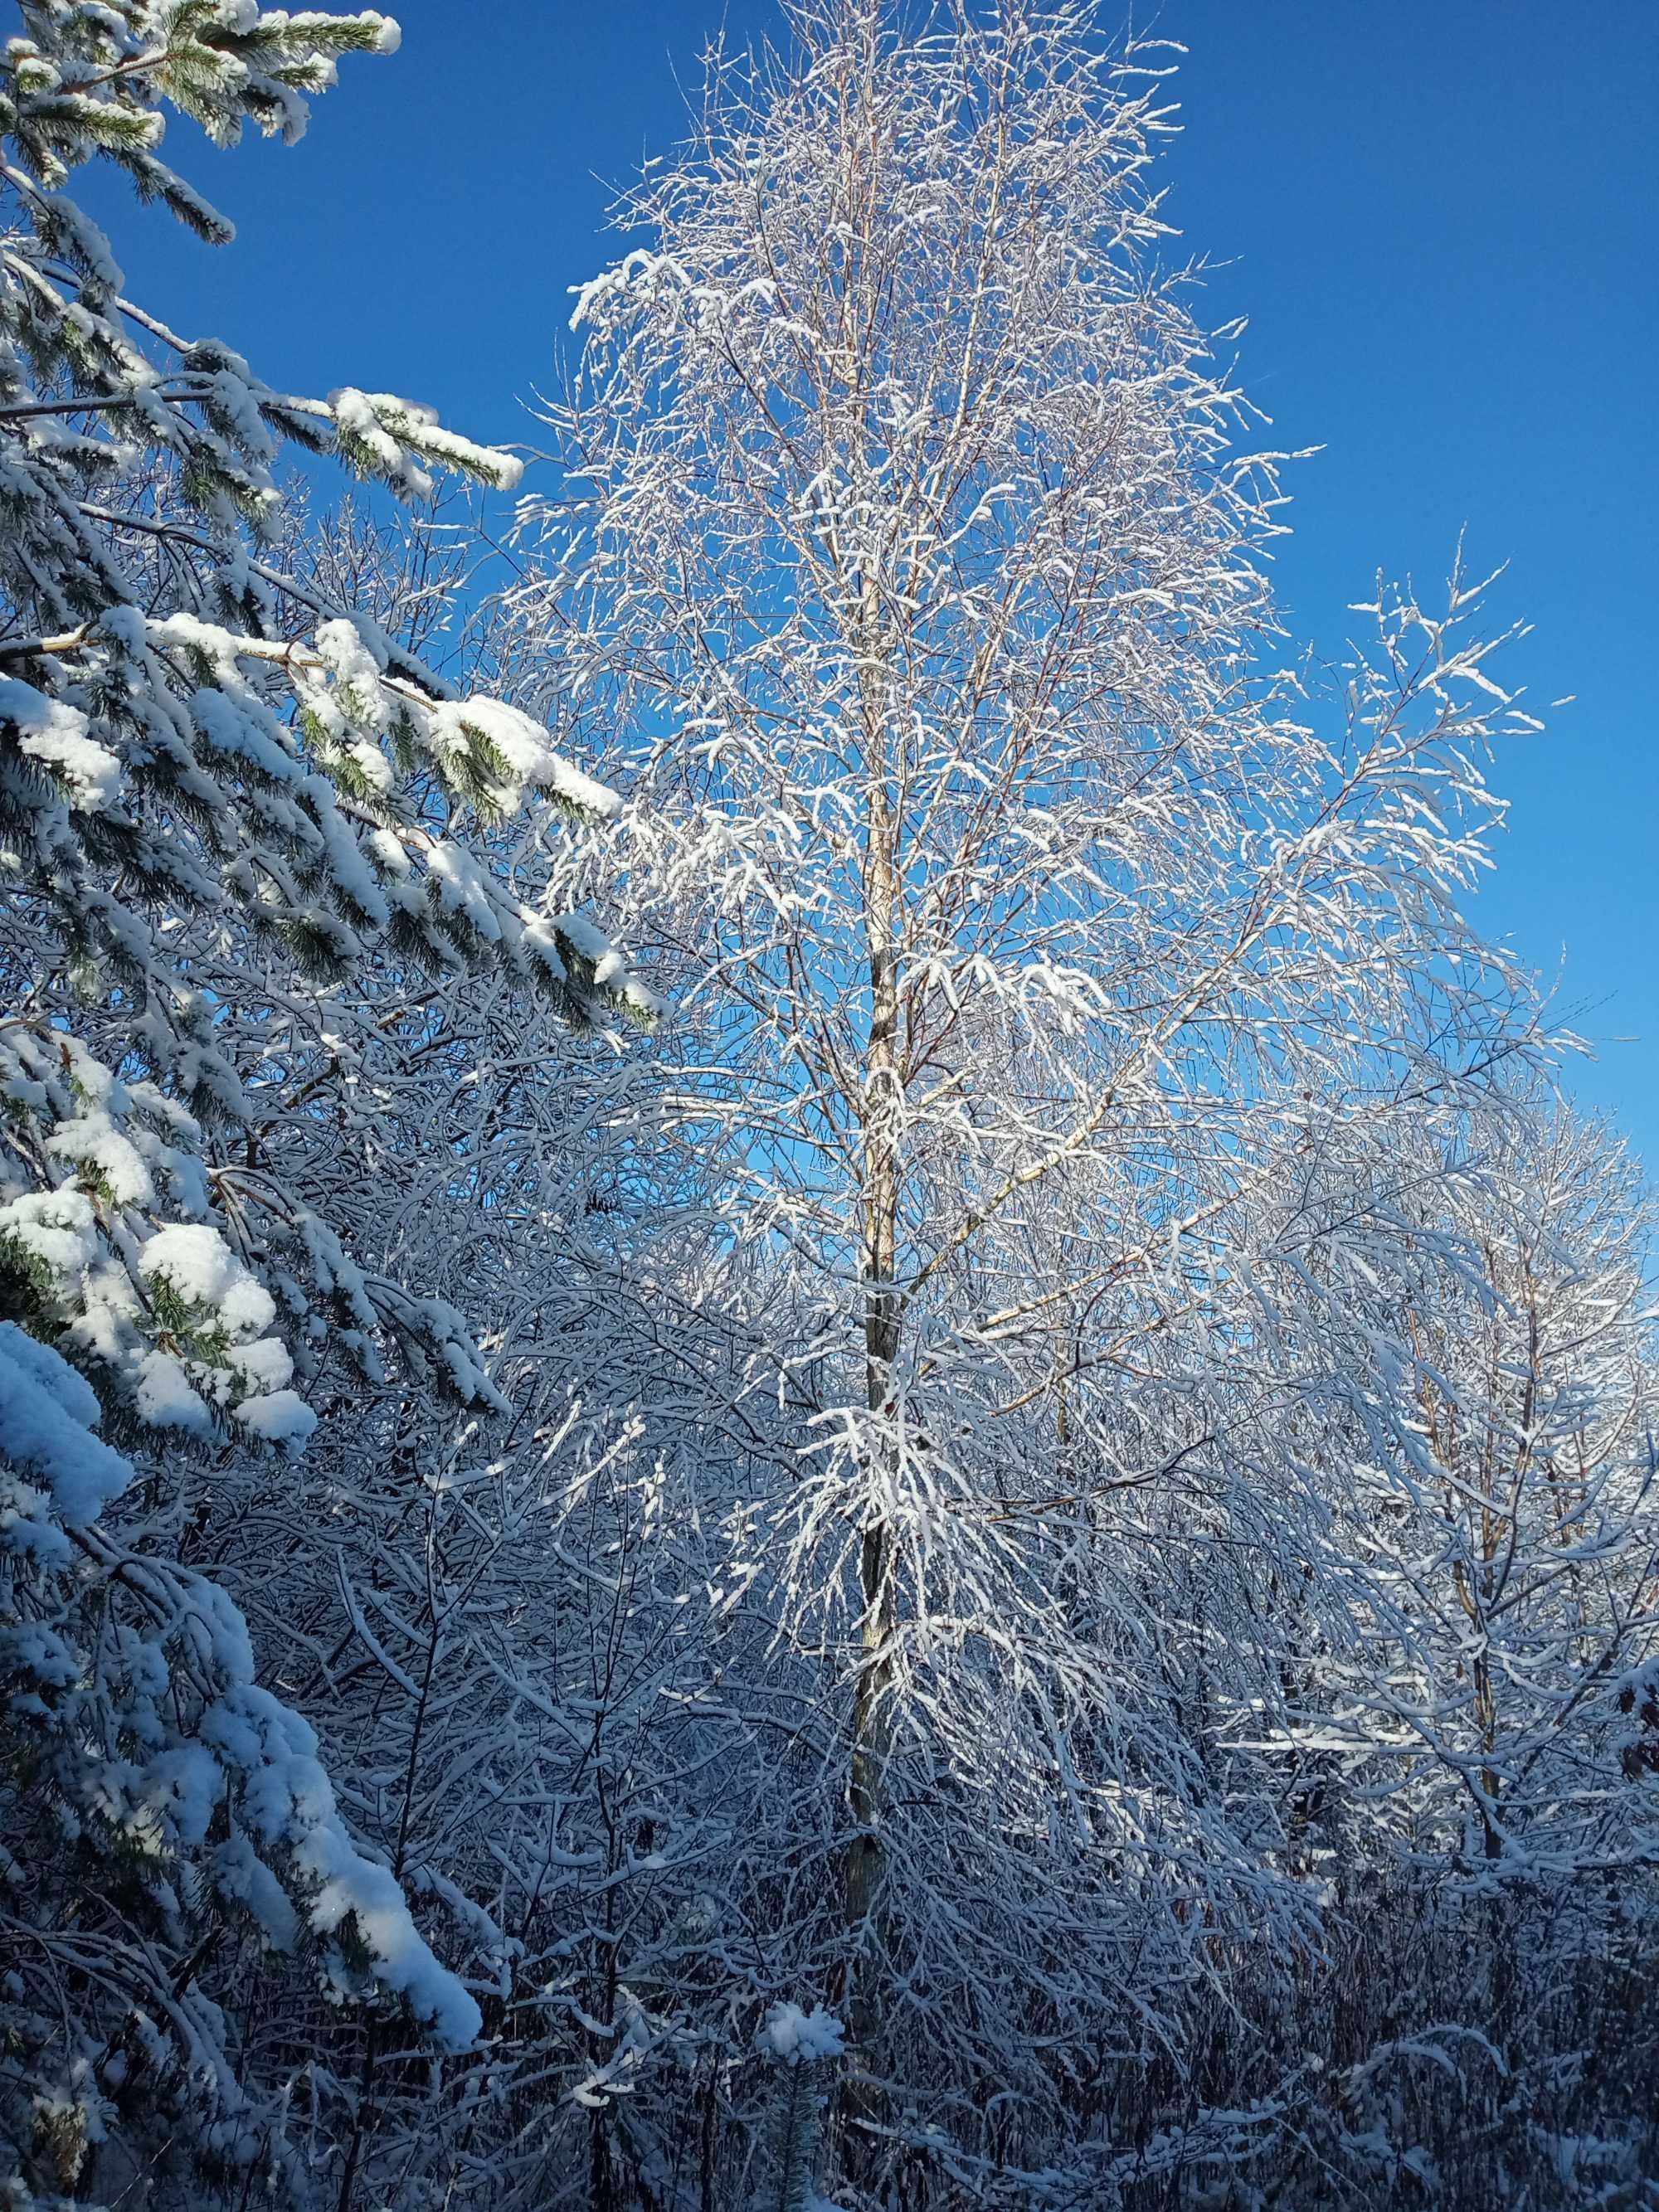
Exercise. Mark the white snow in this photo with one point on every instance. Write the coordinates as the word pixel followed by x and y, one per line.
pixel 454 725
pixel 57 1228
pixel 345 653
pixel 200 1268
pixel 265 1364
pixel 799 2037
pixel 166 1399
pixel 46 1411
pixel 54 733
pixel 101 1149
pixel 280 1418
pixel 462 887
pixel 349 1884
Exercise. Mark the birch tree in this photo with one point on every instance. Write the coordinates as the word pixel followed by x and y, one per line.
pixel 912 542
pixel 1508 1533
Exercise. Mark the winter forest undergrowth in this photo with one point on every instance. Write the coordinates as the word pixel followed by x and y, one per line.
pixel 808 1397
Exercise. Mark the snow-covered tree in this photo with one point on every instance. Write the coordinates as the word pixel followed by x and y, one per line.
pixel 164 1823
pixel 197 803
pixel 905 540
pixel 224 793
pixel 1056 1470
pixel 1460 1601
pixel 1514 1541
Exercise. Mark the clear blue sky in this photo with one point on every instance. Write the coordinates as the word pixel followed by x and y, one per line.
pixel 1439 214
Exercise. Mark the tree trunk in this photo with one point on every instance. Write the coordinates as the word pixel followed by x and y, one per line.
pixel 872 1721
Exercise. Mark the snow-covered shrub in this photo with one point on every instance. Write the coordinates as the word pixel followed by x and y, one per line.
pixel 799 2042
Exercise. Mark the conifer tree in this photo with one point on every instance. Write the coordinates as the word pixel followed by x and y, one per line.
pixel 193 798
pixel 222 795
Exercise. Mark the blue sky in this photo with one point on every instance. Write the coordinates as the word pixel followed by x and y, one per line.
pixel 1439 216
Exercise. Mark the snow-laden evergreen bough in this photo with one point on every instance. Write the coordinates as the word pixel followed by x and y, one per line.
pixel 197 801
pixel 160 1805
pixel 222 793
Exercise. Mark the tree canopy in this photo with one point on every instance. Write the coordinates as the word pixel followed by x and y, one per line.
pixel 807 1396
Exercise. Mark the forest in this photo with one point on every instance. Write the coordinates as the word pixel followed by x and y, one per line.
pixel 812 1398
